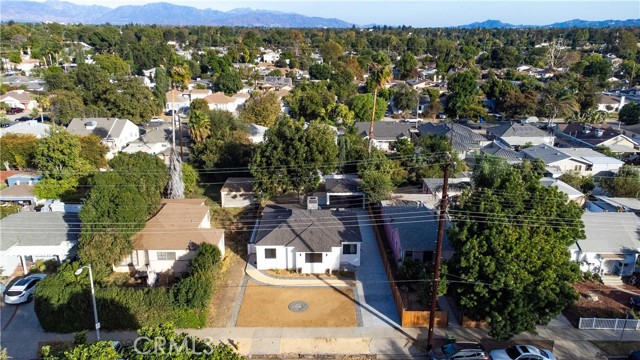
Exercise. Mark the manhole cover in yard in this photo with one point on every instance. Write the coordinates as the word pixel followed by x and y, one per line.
pixel 298 306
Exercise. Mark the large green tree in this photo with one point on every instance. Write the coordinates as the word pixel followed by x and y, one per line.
pixel 292 158
pixel 630 113
pixel 463 95
pixel 511 237
pixel 362 107
pixel 311 101
pixel 405 98
pixel 261 109
pixel 407 66
pixel 626 183
pixel 229 82
pixel 18 150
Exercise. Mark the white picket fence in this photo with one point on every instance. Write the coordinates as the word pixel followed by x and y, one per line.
pixel 609 324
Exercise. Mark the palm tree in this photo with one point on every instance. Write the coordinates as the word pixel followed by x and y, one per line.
pixel 560 99
pixel 199 125
pixel 380 75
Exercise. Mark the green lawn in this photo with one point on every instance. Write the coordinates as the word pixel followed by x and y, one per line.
pixel 616 348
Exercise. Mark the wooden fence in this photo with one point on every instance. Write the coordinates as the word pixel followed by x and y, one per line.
pixel 408 318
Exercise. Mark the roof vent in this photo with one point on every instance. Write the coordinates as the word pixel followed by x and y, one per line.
pixel 90 125
pixel 599 132
pixel 312 203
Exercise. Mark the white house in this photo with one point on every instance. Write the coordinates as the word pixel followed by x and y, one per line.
pixel 196 94
pixel 572 193
pixel 585 161
pixel 585 135
pixel 115 133
pixel 611 245
pixel 220 101
pixel 308 241
pixel 170 239
pixel 270 56
pixel 517 135
pixel 25 239
pixel 156 141
pixel 32 127
pixel 19 99
pixel 610 103
pixel 176 101
pixel 386 133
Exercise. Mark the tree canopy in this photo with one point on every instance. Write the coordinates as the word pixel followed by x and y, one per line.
pixel 292 158
pixel 511 237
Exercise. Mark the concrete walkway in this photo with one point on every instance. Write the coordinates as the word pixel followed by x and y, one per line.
pixel 314 281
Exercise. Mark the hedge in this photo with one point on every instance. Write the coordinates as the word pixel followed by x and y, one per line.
pixel 63 300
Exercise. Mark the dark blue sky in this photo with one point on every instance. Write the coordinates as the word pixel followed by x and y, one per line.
pixel 423 13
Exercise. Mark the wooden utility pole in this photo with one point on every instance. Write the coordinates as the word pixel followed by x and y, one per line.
pixel 436 271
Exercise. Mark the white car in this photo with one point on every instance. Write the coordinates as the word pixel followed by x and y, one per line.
pixel 521 352
pixel 156 120
pixel 413 120
pixel 22 291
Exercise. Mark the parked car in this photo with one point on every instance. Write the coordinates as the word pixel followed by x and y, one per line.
pixel 155 120
pixel 463 350
pixel 635 302
pixel 521 352
pixel 14 111
pixel 22 291
pixel 24 118
pixel 416 120
pixel 634 355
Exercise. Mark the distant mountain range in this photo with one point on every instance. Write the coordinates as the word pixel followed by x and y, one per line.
pixel 497 24
pixel 170 14
pixel 157 13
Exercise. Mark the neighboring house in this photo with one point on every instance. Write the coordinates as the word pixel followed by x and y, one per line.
pixel 238 192
pixel 412 233
pixel 611 244
pixel 171 238
pixel 19 99
pixel 27 65
pixel 270 56
pixel 278 81
pixel 241 98
pixel 610 103
pixel 156 141
pixel 386 133
pixel 31 236
pixel 196 94
pixel 613 204
pixel 28 178
pixel 309 241
pixel 256 133
pixel 433 186
pixel 582 160
pixel 464 140
pixel 517 135
pixel 341 191
pixel 591 136
pixel 20 194
pixel 572 193
pixel 115 133
pixel 496 149
pixel 31 127
pixel 175 101
pixel 220 101
pixel 30 83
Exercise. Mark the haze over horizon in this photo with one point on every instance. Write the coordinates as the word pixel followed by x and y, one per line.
pixel 420 13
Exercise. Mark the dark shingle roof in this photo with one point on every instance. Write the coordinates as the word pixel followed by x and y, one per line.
pixel 516 129
pixel 307 230
pixel 504 153
pixel 386 130
pixel 464 139
pixel 417 227
pixel 345 185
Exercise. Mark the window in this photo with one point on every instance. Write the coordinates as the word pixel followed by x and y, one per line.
pixel 408 255
pixel 577 168
pixel 313 258
pixel 166 255
pixel 28 258
pixel 350 249
pixel 269 253
pixel 427 256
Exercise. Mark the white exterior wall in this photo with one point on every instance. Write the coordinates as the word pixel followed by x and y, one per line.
pixel 280 261
pixel 619 141
pixel 606 167
pixel 330 260
pixel 179 265
pixel 129 133
pixel 9 264
pixel 606 265
pixel 570 164
pixel 351 259
pixel 10 258
pixel 519 141
pixel 231 107
pixel 381 144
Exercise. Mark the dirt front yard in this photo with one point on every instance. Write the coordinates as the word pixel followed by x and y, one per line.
pixel 610 303
pixel 267 306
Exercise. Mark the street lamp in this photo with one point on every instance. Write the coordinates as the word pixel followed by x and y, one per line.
pixel 93 298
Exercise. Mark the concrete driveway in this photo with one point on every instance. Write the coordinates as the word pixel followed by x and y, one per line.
pixel 377 306
pixel 20 330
